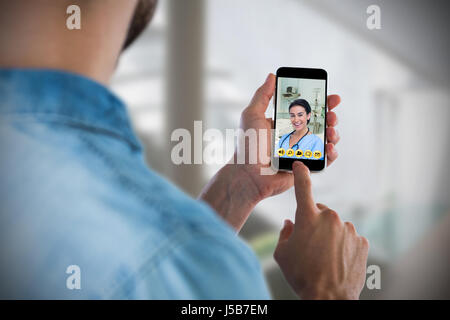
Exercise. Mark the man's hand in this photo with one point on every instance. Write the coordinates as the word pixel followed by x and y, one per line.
pixel 320 256
pixel 236 189
pixel 253 118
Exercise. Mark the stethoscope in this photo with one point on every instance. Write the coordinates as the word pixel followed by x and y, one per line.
pixel 296 144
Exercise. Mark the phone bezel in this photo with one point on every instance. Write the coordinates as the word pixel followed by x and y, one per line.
pixel 305 73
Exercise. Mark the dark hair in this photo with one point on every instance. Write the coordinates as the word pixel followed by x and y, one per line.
pixel 302 103
pixel 143 14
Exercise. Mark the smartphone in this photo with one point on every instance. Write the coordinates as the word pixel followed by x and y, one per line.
pixel 300 118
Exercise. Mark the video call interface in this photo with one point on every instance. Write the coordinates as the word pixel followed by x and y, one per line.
pixel 300 118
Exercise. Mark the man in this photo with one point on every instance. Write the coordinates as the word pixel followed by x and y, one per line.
pixel 83 217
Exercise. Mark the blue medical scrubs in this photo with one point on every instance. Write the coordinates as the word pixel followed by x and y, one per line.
pixel 309 142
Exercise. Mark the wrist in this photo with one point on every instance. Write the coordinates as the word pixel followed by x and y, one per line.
pixel 241 184
pixel 232 194
pixel 325 294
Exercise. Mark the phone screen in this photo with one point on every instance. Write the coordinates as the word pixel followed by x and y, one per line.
pixel 300 117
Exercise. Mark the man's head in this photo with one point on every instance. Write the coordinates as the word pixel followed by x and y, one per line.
pixel 142 16
pixel 35 34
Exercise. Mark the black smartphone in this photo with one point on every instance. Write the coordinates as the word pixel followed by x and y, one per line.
pixel 300 118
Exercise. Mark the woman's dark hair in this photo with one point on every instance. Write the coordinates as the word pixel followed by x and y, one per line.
pixel 302 103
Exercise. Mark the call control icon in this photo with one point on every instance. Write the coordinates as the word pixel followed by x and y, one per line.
pixel 290 152
pixel 298 153
pixel 317 154
pixel 281 152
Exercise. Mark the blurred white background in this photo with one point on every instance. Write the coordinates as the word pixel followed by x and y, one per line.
pixel 203 60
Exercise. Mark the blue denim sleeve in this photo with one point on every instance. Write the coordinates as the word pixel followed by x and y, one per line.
pixel 206 267
pixel 75 191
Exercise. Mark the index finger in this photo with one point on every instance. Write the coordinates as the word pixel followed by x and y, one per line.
pixel 333 101
pixel 306 207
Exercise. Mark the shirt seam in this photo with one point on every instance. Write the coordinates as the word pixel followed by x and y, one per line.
pixel 41 117
pixel 184 238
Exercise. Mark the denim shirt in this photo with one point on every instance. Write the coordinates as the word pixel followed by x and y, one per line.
pixel 75 191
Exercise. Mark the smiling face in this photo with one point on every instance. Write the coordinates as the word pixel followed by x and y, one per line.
pixel 299 117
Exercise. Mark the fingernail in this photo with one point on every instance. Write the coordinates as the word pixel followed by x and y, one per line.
pixel 298 163
pixel 268 77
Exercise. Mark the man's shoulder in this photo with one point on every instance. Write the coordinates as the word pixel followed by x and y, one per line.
pixel 91 173
pixel 43 161
pixel 94 203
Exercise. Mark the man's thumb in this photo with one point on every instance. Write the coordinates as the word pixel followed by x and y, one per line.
pixel 262 96
pixel 286 232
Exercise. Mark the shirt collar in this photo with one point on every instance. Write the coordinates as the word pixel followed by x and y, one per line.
pixel 73 96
